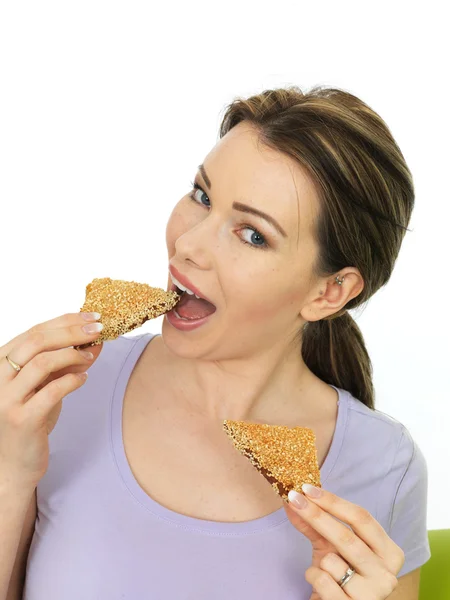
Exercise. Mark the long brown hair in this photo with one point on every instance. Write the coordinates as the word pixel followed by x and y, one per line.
pixel 366 199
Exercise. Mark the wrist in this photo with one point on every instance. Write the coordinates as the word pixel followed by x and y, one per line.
pixel 13 486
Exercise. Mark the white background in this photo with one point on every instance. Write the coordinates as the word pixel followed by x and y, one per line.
pixel 107 108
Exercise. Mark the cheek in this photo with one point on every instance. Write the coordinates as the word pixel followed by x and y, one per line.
pixel 263 297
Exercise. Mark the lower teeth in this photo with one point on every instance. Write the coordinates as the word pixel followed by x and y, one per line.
pixel 183 318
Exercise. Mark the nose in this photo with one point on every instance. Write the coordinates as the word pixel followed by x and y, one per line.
pixel 193 246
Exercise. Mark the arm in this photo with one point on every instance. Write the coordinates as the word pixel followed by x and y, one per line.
pixel 408 587
pixel 17 515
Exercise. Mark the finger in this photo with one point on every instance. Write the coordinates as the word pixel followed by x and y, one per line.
pixel 325 586
pixel 362 522
pixel 37 371
pixel 40 341
pixel 333 568
pixel 346 542
pixel 49 399
pixel 318 541
pixel 62 321
pixel 336 566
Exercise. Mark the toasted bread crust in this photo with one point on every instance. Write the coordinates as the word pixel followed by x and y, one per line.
pixel 124 306
pixel 285 456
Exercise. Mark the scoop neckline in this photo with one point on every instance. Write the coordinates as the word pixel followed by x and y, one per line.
pixel 221 528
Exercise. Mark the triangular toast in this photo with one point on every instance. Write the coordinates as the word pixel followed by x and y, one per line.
pixel 286 456
pixel 124 306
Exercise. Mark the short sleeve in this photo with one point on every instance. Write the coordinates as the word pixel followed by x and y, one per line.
pixel 408 520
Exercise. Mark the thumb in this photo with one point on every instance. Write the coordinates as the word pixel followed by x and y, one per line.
pixel 320 545
pixel 314 536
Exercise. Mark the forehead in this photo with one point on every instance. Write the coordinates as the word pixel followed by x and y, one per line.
pixel 248 171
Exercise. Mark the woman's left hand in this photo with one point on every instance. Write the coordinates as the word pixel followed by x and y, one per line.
pixel 366 547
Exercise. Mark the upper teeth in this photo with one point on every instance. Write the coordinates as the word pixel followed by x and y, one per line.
pixel 182 287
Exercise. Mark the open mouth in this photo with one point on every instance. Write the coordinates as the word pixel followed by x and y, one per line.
pixel 191 307
pixel 175 288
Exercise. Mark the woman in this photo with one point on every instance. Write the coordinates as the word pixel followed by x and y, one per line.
pixel 296 216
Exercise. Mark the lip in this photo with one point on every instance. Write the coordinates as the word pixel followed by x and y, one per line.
pixel 183 325
pixel 185 281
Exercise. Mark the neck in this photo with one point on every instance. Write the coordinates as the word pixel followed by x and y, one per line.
pixel 274 386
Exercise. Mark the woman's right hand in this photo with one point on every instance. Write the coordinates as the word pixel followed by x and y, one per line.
pixel 31 400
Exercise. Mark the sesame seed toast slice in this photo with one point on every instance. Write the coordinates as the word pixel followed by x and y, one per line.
pixel 285 456
pixel 124 306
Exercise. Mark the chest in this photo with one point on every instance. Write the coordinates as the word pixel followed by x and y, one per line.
pixel 189 465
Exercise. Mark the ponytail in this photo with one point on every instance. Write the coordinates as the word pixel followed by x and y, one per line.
pixel 334 350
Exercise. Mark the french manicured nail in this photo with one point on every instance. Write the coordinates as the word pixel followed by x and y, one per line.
pixel 91 316
pixel 298 500
pixel 311 490
pixel 93 328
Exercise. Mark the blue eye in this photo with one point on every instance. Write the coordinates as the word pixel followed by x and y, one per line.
pixel 255 235
pixel 196 187
pixel 254 244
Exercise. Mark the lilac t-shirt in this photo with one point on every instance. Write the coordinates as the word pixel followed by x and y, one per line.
pixel 99 536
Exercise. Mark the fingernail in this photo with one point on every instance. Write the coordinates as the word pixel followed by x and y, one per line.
pixel 311 490
pixel 91 316
pixel 93 328
pixel 298 500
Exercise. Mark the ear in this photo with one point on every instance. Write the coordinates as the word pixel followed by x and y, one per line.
pixel 328 297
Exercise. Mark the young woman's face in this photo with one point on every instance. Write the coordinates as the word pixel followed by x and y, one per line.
pixel 257 277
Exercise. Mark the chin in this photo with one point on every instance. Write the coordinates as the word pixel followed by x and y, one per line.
pixel 178 343
pixel 192 345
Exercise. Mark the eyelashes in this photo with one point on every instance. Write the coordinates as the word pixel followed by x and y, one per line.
pixel 196 187
pixel 263 246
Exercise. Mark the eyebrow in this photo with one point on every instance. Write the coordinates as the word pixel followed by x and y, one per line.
pixel 244 207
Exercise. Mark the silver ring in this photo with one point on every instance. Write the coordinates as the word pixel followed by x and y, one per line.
pixel 348 575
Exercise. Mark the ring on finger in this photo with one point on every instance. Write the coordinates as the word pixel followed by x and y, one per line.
pixel 336 566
